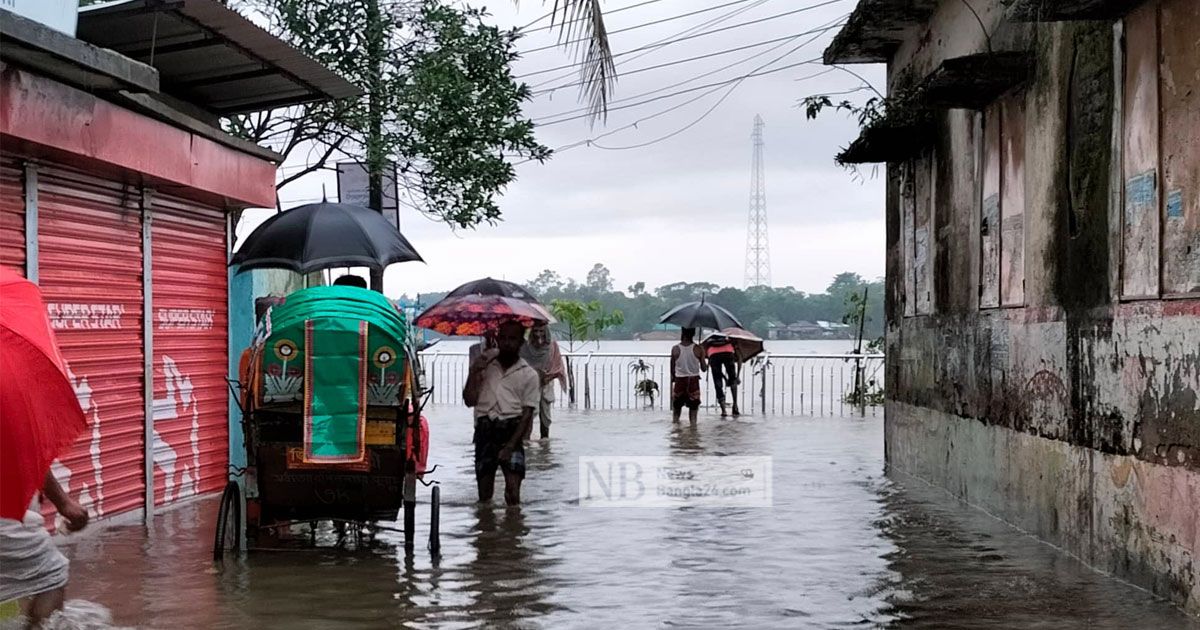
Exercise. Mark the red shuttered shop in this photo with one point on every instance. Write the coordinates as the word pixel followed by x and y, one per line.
pixel 91 264
pixel 190 407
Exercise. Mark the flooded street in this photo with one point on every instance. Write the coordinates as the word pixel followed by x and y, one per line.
pixel 843 546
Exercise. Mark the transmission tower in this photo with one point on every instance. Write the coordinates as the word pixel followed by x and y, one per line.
pixel 758 247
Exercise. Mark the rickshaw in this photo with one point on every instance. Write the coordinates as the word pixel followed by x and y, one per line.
pixel 331 400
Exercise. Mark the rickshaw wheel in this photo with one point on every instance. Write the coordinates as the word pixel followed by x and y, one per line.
pixel 435 508
pixel 229 521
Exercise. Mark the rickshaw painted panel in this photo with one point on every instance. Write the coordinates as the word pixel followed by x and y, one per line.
pixel 283 354
pixel 190 298
pixel 90 268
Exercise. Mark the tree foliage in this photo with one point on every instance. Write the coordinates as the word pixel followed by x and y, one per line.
pixel 757 307
pixel 442 95
pixel 584 321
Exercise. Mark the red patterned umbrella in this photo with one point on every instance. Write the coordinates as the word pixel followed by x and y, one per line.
pixel 476 315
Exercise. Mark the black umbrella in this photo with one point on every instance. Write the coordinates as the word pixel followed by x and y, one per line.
pixel 322 235
pixel 502 288
pixel 492 286
pixel 700 314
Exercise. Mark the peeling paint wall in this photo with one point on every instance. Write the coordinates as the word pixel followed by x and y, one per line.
pixel 1052 376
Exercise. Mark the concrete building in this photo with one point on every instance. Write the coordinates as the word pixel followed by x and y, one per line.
pixel 1043 266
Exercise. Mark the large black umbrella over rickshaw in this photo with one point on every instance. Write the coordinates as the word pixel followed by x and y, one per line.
pixel 305 239
pixel 319 236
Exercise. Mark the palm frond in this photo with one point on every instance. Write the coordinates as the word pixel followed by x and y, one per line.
pixel 581 27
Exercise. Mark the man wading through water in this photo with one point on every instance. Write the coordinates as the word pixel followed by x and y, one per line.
pixel 687 361
pixel 505 392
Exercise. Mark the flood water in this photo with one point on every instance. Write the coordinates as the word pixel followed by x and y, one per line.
pixel 844 545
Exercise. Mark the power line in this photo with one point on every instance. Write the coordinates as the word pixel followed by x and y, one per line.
pixel 662 43
pixel 751 22
pixel 677 131
pixel 696 58
pixel 815 32
pixel 548 14
pixel 639 26
pixel 591 141
pixel 690 90
pixel 607 13
pixel 736 82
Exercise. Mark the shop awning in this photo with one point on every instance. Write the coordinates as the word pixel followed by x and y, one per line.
pixel 887 141
pixel 876 28
pixel 974 81
pixel 210 56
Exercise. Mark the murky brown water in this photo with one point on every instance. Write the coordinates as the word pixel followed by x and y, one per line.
pixel 843 546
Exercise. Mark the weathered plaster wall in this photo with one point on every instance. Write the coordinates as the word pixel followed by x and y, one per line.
pixel 1075 417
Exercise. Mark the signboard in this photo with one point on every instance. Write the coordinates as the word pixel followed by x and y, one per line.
pixel 381 433
pixel 354 187
pixel 60 15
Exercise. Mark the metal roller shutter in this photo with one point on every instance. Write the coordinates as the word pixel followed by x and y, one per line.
pixel 90 268
pixel 191 395
pixel 12 216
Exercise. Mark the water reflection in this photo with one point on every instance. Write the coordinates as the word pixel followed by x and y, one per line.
pixel 842 546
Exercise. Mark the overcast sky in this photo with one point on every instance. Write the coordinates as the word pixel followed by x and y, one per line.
pixel 677 209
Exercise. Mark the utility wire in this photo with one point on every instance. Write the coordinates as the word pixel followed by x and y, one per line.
pixel 648 48
pixel 607 12
pixel 710 110
pixel 591 141
pixel 815 32
pixel 694 89
pixel 641 25
pixel 677 131
pixel 697 58
pixel 758 21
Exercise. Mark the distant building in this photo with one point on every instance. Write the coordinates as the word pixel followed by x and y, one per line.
pixel 660 332
pixel 806 330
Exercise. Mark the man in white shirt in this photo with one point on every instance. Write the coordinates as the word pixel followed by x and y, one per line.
pixel 505 392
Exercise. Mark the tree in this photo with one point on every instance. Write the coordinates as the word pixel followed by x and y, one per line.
pixel 440 101
pixel 637 289
pixel 599 279
pixel 546 282
pixel 584 322
pixel 582 26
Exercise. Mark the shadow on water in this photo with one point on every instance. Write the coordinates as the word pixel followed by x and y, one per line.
pixel 843 545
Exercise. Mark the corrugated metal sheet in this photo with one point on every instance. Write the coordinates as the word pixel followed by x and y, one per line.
pixel 1140 224
pixel 90 267
pixel 1180 96
pixel 989 220
pixel 12 215
pixel 191 396
pixel 1012 201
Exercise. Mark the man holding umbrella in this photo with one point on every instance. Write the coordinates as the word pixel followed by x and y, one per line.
pixel 505 391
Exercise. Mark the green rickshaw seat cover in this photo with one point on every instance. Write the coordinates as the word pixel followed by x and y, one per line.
pixel 338 350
